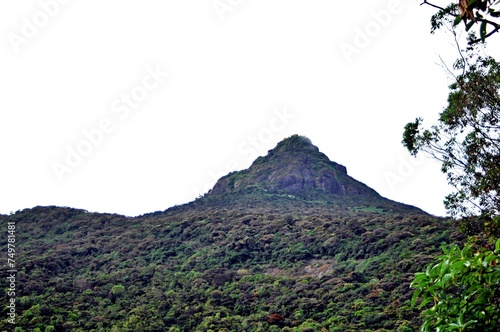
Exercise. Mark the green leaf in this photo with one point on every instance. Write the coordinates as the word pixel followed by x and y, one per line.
pixel 446 277
pixel 458 19
pixel 424 303
pixel 470 323
pixel 444 267
pixel 491 257
pixel 469 25
pixel 445 250
pixel 415 296
pixel 497 246
pixel 482 30
pixel 418 280
pixel 458 265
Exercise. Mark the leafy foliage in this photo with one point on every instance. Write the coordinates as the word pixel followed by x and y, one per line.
pixel 463 290
pixel 460 291
pixel 481 13
pixel 467 139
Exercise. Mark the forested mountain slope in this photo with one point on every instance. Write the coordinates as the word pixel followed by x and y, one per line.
pixel 290 244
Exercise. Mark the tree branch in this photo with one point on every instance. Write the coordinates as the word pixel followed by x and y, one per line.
pixel 432 5
pixel 496 25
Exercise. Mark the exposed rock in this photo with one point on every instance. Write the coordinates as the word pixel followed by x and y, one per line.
pixel 294 166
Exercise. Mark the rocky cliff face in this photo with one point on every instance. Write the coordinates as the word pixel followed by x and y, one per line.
pixel 295 166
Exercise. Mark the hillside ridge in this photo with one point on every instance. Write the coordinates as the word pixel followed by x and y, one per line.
pixel 292 244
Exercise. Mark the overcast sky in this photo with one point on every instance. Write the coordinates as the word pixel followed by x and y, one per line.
pixel 135 106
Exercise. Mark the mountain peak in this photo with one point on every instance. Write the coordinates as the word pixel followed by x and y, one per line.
pixel 295 166
pixel 294 143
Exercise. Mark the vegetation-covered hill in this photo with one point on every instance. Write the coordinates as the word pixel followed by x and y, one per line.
pixel 257 256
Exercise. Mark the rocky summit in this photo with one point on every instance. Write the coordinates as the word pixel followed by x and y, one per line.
pixel 296 169
pixel 294 166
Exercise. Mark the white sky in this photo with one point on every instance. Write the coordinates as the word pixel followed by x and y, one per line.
pixel 241 77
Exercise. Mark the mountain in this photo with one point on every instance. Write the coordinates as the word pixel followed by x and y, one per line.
pixel 292 243
pixel 296 168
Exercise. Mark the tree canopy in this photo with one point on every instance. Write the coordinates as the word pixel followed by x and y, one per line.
pixel 460 291
pixel 467 138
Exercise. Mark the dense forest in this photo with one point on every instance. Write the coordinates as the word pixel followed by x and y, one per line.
pixel 292 243
pixel 277 264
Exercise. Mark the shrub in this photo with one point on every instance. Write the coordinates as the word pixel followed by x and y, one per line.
pixel 461 290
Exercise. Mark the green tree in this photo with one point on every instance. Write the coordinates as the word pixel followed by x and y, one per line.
pixel 467 138
pixel 118 290
pixel 460 290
